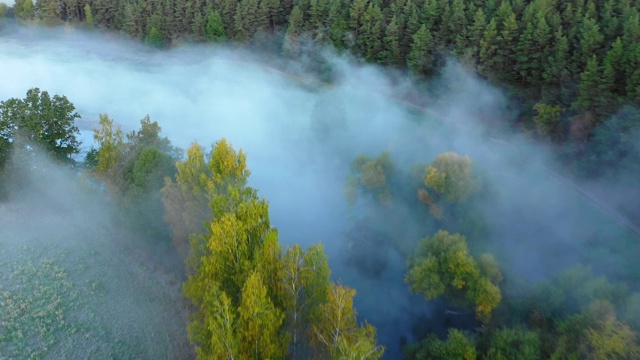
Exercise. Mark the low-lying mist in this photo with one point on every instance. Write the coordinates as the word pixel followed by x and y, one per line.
pixel 300 141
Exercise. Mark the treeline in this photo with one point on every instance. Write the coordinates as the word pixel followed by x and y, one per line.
pixel 576 61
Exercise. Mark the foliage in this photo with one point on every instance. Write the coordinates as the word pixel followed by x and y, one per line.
pixel 516 343
pixel 596 333
pixel 338 332
pixel 542 49
pixel 442 266
pixel 250 300
pixel 39 121
pixel 457 346
pixel 134 169
pixel 547 120
pixel 370 176
pixel 451 176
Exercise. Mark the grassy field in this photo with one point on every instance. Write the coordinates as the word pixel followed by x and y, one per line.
pixel 75 286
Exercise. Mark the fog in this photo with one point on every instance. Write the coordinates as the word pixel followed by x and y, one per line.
pixel 537 224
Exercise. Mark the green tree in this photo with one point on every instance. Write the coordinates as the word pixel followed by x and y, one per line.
pixel 155 38
pixel 420 59
pixel 110 143
pixel 337 330
pixel 507 44
pixel 589 96
pixel 88 15
pixel 214 29
pixel 442 266
pixel 259 323
pixel 547 120
pixel 457 346
pixel 24 9
pixel 516 343
pixel 488 49
pixel 370 175
pixel 590 41
pixel 39 121
pixel 371 33
pixel 305 282
pixel 451 176
pixel 392 43
pixel 596 333
pixel 186 201
pixel 291 45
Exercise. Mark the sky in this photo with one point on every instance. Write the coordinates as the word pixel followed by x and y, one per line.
pixel 202 94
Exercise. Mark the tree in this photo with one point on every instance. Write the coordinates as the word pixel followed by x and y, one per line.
pixel 392 43
pixel 457 346
pixel 442 266
pixel 590 41
pixel 596 334
pixel 337 330
pixel 259 323
pixel 371 176
pixel 547 120
pixel 214 29
pixel 251 301
pixel 371 33
pixel 155 38
pixel 24 9
pixel 110 143
pixel 488 48
pixel 451 176
pixel 420 59
pixel 47 11
pixel 305 282
pixel 88 15
pixel 186 201
pixel 517 343
pixel 40 121
pixel 224 257
pixel 134 170
pixel 291 45
pixel 589 97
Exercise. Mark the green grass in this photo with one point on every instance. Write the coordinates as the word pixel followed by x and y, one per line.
pixel 76 287
pixel 35 306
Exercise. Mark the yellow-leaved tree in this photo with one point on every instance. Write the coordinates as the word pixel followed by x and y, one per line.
pixel 250 300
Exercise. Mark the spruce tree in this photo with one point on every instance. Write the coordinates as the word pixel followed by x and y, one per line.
pixel 420 59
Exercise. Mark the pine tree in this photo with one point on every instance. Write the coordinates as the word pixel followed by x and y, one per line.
pixel 88 16
pixel 214 29
pixel 488 49
pixel 420 59
pixel 458 25
pixel 590 41
pixel 589 96
pixel 507 44
pixel 477 31
pixel 392 43
pixel 613 78
pixel 291 45
pixel 371 33
pixel 412 25
pixel 356 19
pixel 527 53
